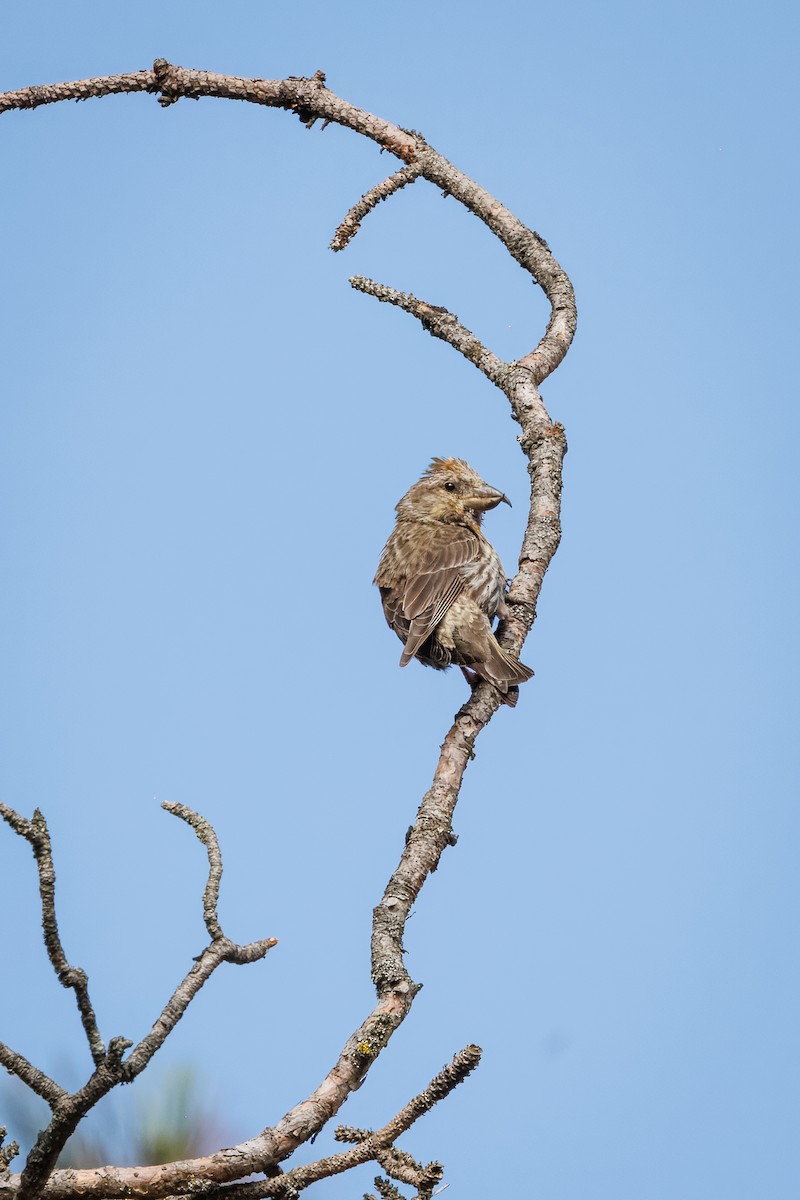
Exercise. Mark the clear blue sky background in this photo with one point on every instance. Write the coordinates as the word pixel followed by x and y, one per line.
pixel 204 433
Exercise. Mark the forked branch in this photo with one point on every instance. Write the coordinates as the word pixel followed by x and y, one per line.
pixel 111 1067
pixel 544 446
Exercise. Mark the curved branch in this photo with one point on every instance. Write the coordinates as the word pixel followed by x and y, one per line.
pixel 544 445
pixel 311 100
pixel 440 324
pixel 351 224
pixel 36 834
pixel 221 949
pixel 208 837
pixel 31 1076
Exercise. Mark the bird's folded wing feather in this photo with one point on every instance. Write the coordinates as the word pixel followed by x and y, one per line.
pixel 435 583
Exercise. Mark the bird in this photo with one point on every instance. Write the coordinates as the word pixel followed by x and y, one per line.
pixel 442 583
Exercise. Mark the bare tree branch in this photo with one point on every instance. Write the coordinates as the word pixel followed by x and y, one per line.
pixel 371 1146
pixel 36 1080
pixel 440 324
pixel 398 1164
pixel 110 1069
pixel 351 224
pixel 544 445
pixel 36 834
pixel 208 837
pixel 7 1153
pixel 81 89
pixel 311 100
pixel 402 1167
pixel 386 1190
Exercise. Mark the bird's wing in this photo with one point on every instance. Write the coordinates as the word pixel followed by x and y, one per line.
pixel 435 583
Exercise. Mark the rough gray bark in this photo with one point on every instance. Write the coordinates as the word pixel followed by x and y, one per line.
pixel 544 446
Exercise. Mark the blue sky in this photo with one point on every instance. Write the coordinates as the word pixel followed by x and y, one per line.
pixel 204 433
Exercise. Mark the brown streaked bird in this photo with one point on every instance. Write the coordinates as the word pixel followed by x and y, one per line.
pixel 442 583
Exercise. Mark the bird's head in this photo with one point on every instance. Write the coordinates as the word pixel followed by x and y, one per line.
pixel 451 492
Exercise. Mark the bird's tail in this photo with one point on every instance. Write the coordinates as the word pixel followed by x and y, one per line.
pixel 502 671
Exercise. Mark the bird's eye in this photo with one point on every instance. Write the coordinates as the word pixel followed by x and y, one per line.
pixel 449 486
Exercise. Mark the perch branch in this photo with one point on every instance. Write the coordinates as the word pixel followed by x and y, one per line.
pixel 544 446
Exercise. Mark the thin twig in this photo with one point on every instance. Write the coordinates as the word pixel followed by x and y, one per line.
pixel 232 952
pixel 110 1069
pixel 400 1165
pixel 37 835
pixel 221 949
pixel 7 1153
pixel 349 227
pixel 208 837
pixel 36 1080
pixel 440 324
pixel 387 1190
